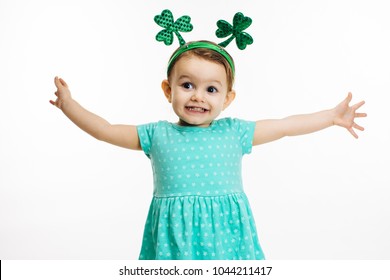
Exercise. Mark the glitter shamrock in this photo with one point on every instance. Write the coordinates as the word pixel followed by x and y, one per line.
pixel 240 23
pixel 165 20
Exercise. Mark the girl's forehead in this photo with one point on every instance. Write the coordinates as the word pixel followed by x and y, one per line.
pixel 201 68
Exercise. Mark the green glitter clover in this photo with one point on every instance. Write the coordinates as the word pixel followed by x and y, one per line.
pixel 240 23
pixel 165 20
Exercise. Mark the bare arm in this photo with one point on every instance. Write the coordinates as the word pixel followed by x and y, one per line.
pixel 125 136
pixel 342 115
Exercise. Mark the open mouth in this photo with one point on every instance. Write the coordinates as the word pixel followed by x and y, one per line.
pixel 196 109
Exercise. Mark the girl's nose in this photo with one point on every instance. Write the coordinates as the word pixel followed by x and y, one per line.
pixel 197 96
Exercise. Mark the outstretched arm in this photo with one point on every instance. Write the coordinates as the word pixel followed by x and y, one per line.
pixel 342 115
pixel 125 136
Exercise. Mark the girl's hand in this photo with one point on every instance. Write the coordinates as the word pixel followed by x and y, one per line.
pixel 344 115
pixel 62 93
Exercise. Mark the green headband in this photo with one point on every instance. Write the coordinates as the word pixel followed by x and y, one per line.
pixel 203 45
pixel 183 24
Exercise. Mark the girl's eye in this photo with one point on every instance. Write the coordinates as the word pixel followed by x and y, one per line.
pixel 212 90
pixel 187 85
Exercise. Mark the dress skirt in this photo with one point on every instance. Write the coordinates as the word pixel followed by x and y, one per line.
pixel 200 228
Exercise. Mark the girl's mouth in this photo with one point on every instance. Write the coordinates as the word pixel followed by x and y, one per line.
pixel 196 109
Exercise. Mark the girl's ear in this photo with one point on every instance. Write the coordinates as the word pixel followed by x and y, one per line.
pixel 167 90
pixel 229 99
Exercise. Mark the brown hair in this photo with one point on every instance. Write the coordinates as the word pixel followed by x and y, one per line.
pixel 209 55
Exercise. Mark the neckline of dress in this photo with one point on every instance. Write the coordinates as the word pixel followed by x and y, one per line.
pixel 192 128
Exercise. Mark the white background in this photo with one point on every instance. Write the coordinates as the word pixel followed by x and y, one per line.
pixel 65 195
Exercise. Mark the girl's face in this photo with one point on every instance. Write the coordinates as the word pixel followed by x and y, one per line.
pixel 197 90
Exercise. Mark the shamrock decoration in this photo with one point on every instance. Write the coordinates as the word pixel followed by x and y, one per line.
pixel 240 23
pixel 165 20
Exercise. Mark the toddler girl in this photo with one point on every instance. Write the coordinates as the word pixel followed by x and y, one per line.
pixel 199 209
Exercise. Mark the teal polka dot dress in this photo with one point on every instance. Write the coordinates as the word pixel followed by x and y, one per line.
pixel 199 210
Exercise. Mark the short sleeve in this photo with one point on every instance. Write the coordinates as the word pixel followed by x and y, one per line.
pixel 145 135
pixel 245 130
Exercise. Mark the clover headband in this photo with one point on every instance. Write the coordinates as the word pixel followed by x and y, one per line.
pixel 183 24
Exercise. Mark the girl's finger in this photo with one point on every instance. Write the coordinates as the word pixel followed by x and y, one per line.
pixel 358 105
pixel 353 133
pixel 358 126
pixel 360 115
pixel 349 97
pixel 57 82
pixel 63 82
